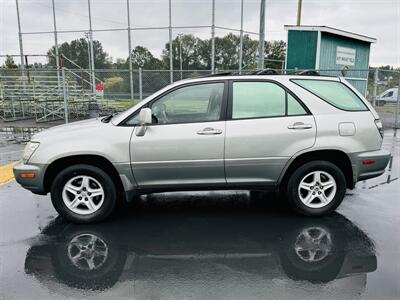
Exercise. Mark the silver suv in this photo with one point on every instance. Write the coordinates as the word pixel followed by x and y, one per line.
pixel 309 137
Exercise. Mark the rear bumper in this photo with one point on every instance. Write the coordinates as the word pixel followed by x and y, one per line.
pixel 370 164
pixel 35 184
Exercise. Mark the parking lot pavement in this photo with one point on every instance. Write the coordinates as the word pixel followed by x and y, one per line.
pixel 206 245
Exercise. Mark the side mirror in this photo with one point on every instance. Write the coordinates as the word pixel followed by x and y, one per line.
pixel 144 120
pixel 145 116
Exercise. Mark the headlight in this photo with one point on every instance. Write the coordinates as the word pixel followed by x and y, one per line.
pixel 28 151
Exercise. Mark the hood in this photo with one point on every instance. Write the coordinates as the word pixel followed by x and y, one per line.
pixel 74 128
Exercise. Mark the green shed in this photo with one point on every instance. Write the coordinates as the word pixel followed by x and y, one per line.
pixel 329 50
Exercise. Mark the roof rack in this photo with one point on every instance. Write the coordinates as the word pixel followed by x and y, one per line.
pixel 268 72
pixel 220 74
pixel 265 72
pixel 308 73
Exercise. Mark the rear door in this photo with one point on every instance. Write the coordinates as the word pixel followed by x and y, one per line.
pixel 266 126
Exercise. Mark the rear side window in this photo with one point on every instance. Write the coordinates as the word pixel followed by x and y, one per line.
pixel 262 100
pixel 257 99
pixel 293 107
pixel 333 92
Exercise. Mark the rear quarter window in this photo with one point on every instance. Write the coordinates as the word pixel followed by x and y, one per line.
pixel 334 92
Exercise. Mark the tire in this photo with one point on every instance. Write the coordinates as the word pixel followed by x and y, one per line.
pixel 71 267
pixel 313 252
pixel 328 194
pixel 96 202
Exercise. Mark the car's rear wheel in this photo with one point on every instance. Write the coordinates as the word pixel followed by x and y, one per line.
pixel 83 194
pixel 316 188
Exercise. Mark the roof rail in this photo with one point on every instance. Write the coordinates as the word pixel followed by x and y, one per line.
pixel 308 73
pixel 220 74
pixel 265 72
pixel 268 72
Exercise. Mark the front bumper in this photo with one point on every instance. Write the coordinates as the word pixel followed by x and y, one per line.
pixel 362 169
pixel 35 184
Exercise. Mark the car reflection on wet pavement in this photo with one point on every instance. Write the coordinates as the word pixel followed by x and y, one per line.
pixel 205 245
pixel 236 252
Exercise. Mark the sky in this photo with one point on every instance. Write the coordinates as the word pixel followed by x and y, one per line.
pixel 379 19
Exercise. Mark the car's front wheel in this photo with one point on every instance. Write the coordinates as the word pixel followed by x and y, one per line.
pixel 316 188
pixel 83 194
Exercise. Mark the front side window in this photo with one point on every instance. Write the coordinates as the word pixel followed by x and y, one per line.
pixel 262 100
pixel 189 104
pixel 197 103
pixel 387 95
pixel 333 92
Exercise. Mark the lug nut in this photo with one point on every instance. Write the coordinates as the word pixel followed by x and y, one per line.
pixel 80 198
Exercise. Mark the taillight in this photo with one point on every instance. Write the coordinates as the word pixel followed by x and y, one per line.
pixel 379 125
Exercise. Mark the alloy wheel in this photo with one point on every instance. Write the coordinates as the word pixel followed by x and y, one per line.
pixel 83 195
pixel 317 189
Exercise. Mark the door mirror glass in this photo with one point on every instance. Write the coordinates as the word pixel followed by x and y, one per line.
pixel 145 116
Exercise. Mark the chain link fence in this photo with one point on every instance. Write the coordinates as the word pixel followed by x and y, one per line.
pixel 34 99
pixel 383 92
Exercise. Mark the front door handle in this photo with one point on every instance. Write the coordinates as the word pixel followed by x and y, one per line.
pixel 299 125
pixel 209 131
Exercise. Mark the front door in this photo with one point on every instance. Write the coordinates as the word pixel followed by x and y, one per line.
pixel 266 126
pixel 184 146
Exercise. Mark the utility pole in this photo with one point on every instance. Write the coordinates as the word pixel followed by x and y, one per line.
pixel 299 5
pixel 213 37
pixel 56 46
pixel 171 66
pixel 21 50
pixel 260 64
pixel 180 54
pixel 241 38
pixel 130 48
pixel 91 52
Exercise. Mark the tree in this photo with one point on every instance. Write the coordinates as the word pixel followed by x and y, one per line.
pixel 114 84
pixel 275 50
pixel 193 56
pixel 143 58
pixel 196 53
pixel 9 63
pixel 77 51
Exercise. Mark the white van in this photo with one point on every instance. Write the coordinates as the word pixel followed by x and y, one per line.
pixel 388 97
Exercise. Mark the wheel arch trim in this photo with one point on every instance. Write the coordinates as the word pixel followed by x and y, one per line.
pixel 346 165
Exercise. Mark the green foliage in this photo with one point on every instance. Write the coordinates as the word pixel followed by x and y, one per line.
pixel 143 58
pixel 113 84
pixel 77 51
pixel 9 63
pixel 196 54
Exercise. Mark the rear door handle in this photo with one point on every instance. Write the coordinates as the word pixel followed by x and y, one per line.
pixel 209 131
pixel 299 125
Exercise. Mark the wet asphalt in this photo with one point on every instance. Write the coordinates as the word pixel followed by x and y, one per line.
pixel 206 245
